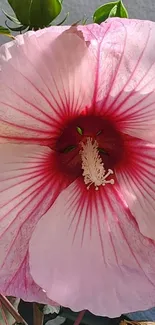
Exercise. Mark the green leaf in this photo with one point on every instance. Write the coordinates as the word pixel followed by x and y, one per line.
pixel 111 9
pixel 36 13
pixel 102 13
pixel 21 9
pixel 59 24
pixel 121 10
pixel 43 12
pixel 5 31
pixel 12 18
pixel 16 29
pixel 113 12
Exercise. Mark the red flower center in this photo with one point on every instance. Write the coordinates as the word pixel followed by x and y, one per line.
pixel 68 144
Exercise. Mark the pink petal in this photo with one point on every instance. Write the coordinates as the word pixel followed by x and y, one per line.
pixel 93 32
pixel 125 84
pixel 29 184
pixel 42 84
pixel 101 262
pixel 136 178
pixel 22 285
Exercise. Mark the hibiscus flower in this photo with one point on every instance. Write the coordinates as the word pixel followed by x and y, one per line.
pixel 77 168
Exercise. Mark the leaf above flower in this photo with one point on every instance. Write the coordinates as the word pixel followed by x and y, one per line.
pixel 11 18
pixel 34 13
pixel 111 9
pixel 6 32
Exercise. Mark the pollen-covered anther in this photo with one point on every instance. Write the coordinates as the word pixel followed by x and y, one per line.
pixel 93 166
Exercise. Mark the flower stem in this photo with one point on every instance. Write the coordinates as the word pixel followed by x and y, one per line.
pixel 10 308
pixel 3 314
pixel 79 318
pixel 38 316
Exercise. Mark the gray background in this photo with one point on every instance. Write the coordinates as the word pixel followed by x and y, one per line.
pixel 142 9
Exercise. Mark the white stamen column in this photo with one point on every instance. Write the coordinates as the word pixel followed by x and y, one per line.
pixel 92 165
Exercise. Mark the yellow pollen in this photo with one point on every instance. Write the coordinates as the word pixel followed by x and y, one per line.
pixel 92 165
